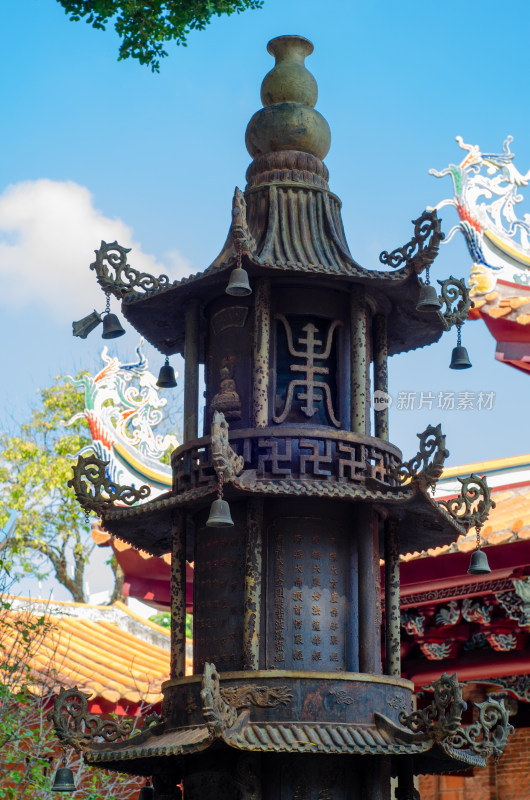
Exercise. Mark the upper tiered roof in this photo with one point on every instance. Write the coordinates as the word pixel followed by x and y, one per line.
pixel 288 223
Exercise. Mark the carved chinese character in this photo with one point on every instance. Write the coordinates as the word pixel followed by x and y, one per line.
pixel 298 655
pixel 316 596
pixel 333 656
pixel 297 554
pixel 298 568
pixel 316 581
pixel 297 538
pixel 297 610
pixel 316 655
pixel 316 639
pixel 333 571
pixel 316 555
pixel 298 581
pixel 298 638
pixel 315 539
pixel 297 624
pixel 311 387
pixel 334 597
pixel 316 568
pixel 334 626
pixel 334 612
pixel 333 639
pixel 279 656
pixel 332 556
pixel 315 610
pixel 333 583
pixel 297 595
pixel 316 625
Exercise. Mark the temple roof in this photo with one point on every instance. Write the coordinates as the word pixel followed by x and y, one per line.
pixel 107 651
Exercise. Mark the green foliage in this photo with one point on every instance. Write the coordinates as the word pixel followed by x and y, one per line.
pixel 51 532
pixel 29 748
pixel 25 775
pixel 163 618
pixel 144 27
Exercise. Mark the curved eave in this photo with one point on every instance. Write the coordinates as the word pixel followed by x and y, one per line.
pixel 139 754
pixel 423 523
pixel 159 315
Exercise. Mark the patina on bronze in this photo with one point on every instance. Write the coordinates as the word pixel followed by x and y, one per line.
pixel 289 697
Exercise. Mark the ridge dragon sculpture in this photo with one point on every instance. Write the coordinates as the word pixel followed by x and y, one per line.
pixel 487 190
pixel 123 408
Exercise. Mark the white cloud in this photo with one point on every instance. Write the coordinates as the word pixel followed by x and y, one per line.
pixel 48 233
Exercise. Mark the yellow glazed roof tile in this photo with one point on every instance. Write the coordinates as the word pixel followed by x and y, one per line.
pixel 87 648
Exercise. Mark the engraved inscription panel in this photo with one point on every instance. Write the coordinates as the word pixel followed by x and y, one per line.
pixel 307 595
pixel 219 593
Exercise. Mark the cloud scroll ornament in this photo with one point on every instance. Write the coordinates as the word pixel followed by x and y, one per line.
pixel 441 722
pixel 74 726
pixel 419 253
pixel 96 492
pixel 455 297
pixel 125 280
pixel 472 506
pixel 427 465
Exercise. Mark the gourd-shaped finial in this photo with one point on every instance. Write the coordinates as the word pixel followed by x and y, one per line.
pixel 289 93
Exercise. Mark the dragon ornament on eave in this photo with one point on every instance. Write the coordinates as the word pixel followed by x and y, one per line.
pixel 123 407
pixel 486 193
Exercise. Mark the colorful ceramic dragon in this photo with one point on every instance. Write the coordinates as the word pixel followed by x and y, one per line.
pixel 486 192
pixel 123 407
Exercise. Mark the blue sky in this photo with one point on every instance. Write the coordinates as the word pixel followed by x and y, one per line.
pixel 94 148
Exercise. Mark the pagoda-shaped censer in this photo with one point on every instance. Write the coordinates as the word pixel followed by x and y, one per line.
pixel 290 497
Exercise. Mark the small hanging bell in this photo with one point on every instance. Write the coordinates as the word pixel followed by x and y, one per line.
pixel 428 300
pixel 479 563
pixel 166 376
pixel 84 326
pixel 460 358
pixel 111 327
pixel 220 516
pixel 238 284
pixel 64 780
pixel 147 792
